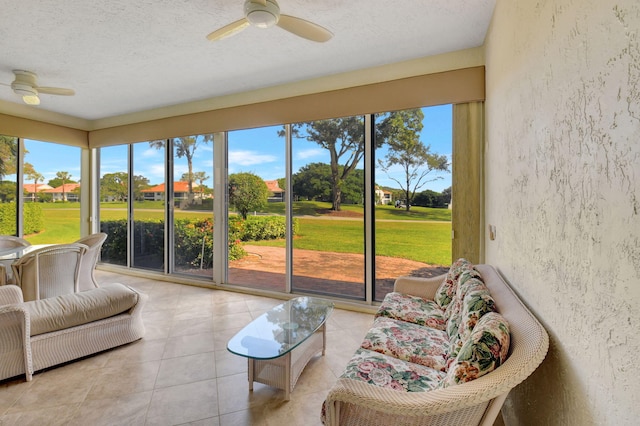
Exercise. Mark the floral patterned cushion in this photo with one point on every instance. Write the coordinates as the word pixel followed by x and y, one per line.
pixel 469 282
pixel 475 305
pixel 413 309
pixel 386 371
pixel 485 350
pixel 447 290
pixel 409 342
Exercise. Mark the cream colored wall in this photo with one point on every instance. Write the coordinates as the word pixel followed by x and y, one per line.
pixel 563 190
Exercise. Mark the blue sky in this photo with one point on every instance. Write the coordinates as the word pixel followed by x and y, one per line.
pixel 259 151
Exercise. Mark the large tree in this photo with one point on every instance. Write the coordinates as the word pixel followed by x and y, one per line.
pixel 247 192
pixel 344 139
pixel 407 151
pixel 8 152
pixel 186 147
pixel 114 186
pixel 313 182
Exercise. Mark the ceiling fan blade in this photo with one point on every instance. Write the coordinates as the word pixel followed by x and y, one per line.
pixel 55 91
pixel 304 28
pixel 229 30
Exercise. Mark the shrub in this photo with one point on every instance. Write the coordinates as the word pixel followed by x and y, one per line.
pixel 33 219
pixel 193 241
pixel 257 228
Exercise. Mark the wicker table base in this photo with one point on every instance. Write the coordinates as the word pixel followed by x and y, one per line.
pixel 283 372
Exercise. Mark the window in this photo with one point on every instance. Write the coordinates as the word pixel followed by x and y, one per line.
pixel 328 193
pixel 412 194
pixel 54 187
pixel 256 221
pixel 192 248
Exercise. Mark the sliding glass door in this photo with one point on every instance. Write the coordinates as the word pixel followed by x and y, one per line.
pixel 256 209
pixel 328 207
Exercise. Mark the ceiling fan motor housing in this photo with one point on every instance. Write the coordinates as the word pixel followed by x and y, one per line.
pixel 24 89
pixel 261 15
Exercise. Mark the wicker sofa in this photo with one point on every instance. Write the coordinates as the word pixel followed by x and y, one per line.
pixel 42 333
pixel 443 350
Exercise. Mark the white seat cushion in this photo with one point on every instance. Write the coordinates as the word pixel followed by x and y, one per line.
pixel 69 310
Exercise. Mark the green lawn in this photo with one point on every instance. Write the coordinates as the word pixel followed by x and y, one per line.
pixel 423 234
pixel 313 208
pixel 422 242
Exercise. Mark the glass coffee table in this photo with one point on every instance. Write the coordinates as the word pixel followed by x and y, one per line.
pixel 280 342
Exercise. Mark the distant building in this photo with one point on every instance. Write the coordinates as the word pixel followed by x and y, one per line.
pixel 180 192
pixel 64 192
pixel 276 194
pixel 383 197
pixel 31 189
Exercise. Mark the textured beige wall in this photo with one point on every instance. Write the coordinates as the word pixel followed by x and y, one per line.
pixel 563 190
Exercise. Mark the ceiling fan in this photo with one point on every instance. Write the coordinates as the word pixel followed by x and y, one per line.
pixel 265 14
pixel 25 85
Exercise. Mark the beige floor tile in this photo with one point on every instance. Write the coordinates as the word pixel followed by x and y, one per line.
pixel 222 309
pixel 125 379
pixel 225 322
pixel 50 416
pixel 188 345
pixel 184 403
pixel 211 421
pixel 11 391
pixel 228 364
pixel 142 350
pixel 186 369
pixel 191 326
pixel 234 394
pixel 54 388
pixel 128 410
pixel 252 417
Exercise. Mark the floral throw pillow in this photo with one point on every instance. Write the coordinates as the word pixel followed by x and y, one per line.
pixel 485 350
pixel 475 305
pixel 447 290
pixel 453 313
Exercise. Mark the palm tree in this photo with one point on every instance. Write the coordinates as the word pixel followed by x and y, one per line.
pixel 186 147
pixel 35 176
pixel 200 177
pixel 64 177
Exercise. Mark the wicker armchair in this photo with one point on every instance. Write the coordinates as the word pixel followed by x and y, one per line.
pixel 7 243
pixel 49 272
pixel 87 279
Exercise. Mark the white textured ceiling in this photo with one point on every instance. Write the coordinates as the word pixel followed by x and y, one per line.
pixel 127 56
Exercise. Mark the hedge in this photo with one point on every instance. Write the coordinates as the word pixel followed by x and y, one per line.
pixel 193 240
pixel 33 221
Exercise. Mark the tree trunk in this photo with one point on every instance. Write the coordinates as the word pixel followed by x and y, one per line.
pixel 337 194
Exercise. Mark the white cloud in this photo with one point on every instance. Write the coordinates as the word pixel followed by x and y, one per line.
pixel 249 158
pixel 309 153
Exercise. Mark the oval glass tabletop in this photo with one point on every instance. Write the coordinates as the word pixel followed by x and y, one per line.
pixel 281 329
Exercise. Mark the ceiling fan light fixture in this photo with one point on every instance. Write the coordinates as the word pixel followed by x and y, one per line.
pixel 262 15
pixel 31 99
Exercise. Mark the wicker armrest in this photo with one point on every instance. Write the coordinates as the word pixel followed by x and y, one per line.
pixel 10 294
pixel 15 332
pixel 423 287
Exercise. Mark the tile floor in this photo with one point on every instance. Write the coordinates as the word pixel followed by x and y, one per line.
pixel 180 373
